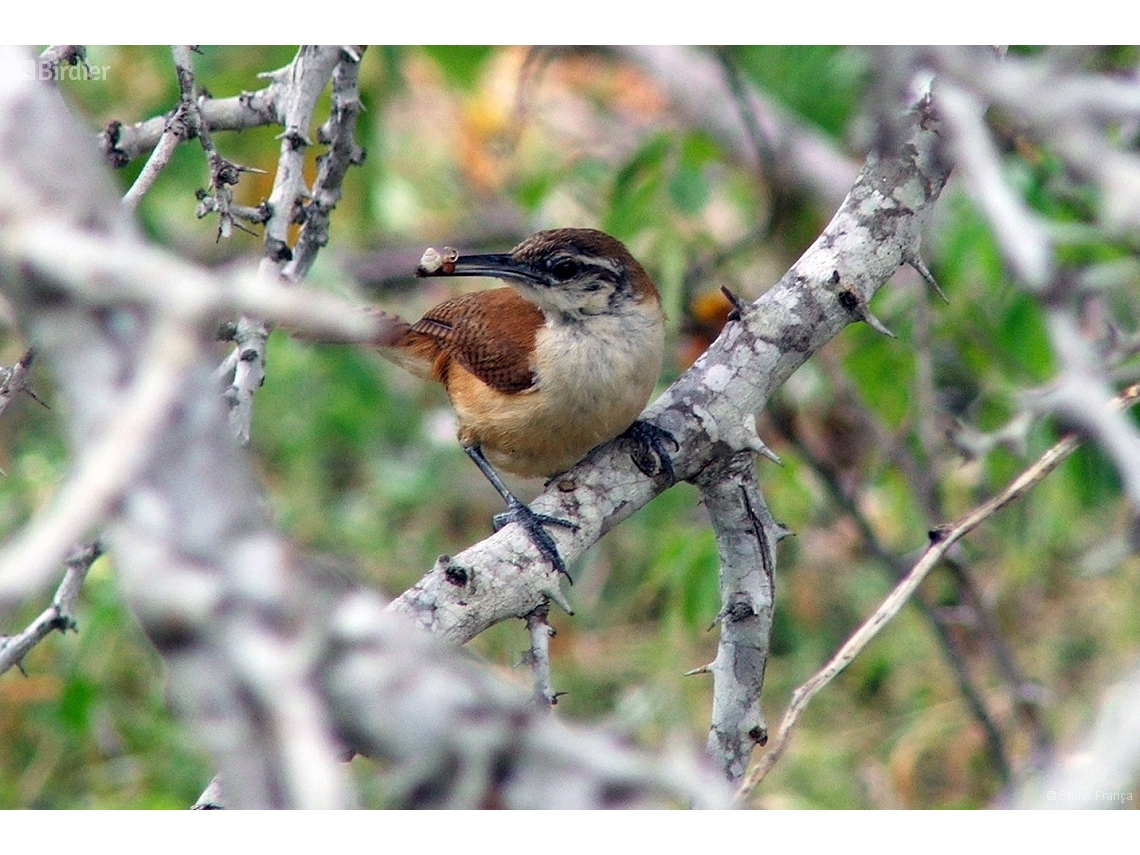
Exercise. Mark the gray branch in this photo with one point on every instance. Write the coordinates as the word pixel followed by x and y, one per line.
pixel 59 616
pixel 15 379
pixel 711 410
pixel 301 84
pixel 181 124
pixel 1020 232
pixel 122 144
pixel 123 431
pixel 407 697
pixel 746 538
pixel 339 134
pixel 1073 111
pixel 538 656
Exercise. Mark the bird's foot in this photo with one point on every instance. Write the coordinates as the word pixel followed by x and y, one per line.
pixel 647 448
pixel 534 525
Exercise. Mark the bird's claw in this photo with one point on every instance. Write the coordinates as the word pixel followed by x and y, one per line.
pixel 647 448
pixel 534 524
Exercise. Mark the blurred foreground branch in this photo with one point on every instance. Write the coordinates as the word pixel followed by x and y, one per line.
pixel 275 665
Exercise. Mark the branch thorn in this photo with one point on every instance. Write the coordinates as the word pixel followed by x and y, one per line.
pixel 739 307
pixel 916 262
pixel 554 592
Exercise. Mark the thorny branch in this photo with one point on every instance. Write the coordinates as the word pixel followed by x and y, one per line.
pixel 122 144
pixel 306 77
pixel 59 616
pixel 181 124
pixel 746 538
pixel 338 133
pixel 15 380
pixel 539 630
pixel 711 410
pixel 218 196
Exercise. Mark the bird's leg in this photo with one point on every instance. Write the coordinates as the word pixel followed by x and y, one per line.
pixel 519 513
pixel 647 448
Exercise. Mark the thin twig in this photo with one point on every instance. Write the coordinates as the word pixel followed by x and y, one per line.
pixel 15 379
pixel 830 475
pixel 48 62
pixel 180 125
pixel 540 631
pixel 59 616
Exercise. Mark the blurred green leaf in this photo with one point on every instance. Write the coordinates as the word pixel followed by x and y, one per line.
pixel 461 64
pixel 821 83
pixel 76 702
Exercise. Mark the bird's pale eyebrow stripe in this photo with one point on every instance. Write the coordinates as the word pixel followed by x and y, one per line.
pixel 596 261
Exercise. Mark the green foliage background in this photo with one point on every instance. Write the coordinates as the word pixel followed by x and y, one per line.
pixel 473 146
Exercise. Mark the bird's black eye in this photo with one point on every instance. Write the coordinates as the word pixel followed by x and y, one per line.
pixel 564 269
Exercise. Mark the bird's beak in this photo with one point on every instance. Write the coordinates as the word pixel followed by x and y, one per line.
pixel 450 263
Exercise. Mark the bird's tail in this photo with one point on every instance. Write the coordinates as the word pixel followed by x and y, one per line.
pixel 389 328
pixel 386 331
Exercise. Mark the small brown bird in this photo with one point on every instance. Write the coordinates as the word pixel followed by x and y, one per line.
pixel 544 371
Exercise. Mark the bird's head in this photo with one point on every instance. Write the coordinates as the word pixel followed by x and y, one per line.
pixel 570 274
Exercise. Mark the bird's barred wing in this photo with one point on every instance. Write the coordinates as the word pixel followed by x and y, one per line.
pixel 490 333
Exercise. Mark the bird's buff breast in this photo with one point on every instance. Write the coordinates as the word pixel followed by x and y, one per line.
pixel 593 379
